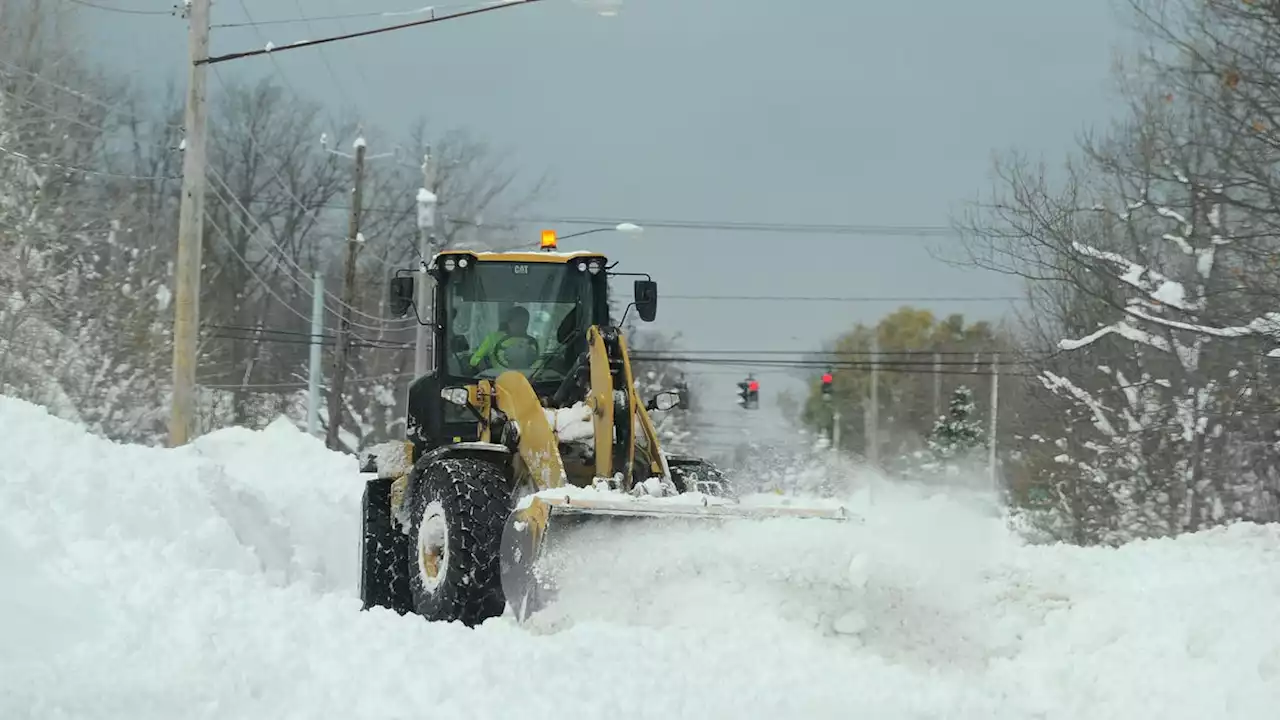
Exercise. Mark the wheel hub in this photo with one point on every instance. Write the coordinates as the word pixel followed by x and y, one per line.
pixel 433 546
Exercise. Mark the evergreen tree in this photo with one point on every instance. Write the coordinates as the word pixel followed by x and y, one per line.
pixel 957 433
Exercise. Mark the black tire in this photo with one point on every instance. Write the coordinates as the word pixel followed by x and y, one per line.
pixel 464 504
pixel 384 552
pixel 686 473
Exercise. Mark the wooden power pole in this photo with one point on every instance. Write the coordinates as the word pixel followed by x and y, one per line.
pixel 186 275
pixel 341 352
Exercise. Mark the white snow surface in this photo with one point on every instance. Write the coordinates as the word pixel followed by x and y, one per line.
pixel 219 581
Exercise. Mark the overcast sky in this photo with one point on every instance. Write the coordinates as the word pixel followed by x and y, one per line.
pixel 816 111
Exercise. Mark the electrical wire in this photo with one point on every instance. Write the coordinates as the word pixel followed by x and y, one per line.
pixel 743 226
pixel 324 56
pixel 822 363
pixel 857 299
pixel 259 232
pixel 897 366
pixel 110 108
pixel 125 11
pixel 833 353
pixel 52 112
pixel 255 333
pixel 502 4
pixel 347 16
pixel 384 325
pixel 791 227
pixel 80 123
pixel 86 171
pixel 222 235
pixel 255 145
pixel 302 384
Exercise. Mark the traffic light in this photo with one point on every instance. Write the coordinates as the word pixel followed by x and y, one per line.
pixel 744 394
pixel 826 385
pixel 753 386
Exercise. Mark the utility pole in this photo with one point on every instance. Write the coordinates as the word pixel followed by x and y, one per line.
pixel 354 241
pixel 835 431
pixel 186 272
pixel 427 205
pixel 937 385
pixel 991 434
pixel 313 366
pixel 873 407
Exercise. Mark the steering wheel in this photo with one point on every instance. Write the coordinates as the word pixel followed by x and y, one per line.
pixel 517 350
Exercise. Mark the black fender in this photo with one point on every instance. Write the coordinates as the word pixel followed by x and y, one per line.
pixel 493 453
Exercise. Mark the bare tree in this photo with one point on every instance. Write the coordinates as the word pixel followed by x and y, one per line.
pixel 1134 263
pixel 84 273
pixel 270 187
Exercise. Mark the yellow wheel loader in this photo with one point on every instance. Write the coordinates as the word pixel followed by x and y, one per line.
pixel 530 418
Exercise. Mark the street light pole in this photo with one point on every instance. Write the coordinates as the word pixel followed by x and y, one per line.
pixel 626 227
pixel 427 204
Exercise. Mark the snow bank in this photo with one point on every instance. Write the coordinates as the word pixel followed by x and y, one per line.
pixel 219 581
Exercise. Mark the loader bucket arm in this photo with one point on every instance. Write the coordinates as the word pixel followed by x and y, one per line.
pixel 600 400
pixel 639 420
pixel 538 450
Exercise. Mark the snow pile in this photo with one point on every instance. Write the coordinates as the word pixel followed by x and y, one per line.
pixel 219 581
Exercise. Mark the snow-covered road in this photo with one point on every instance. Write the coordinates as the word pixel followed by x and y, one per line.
pixel 219 581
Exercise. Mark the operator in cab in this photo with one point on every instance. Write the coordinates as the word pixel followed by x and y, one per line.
pixel 509 346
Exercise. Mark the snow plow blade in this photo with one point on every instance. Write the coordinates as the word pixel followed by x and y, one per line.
pixel 528 586
pixel 681 507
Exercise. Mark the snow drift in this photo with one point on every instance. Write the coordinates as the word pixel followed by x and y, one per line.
pixel 219 580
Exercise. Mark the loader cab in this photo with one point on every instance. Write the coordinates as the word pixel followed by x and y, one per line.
pixel 527 312
pixel 494 312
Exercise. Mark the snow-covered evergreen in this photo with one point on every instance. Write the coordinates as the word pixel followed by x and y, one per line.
pixel 956 434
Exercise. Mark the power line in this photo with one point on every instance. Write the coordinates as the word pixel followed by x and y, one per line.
pixel 810 353
pixel 265 238
pixel 86 171
pixel 364 33
pixel 343 16
pixel 324 57
pixel 821 364
pixel 864 298
pixel 126 11
pixel 792 227
pixel 907 366
pixel 73 92
pixel 771 227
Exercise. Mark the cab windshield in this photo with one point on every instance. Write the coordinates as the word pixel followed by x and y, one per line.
pixel 515 316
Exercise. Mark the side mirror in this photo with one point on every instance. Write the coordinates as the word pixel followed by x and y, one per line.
pixel 647 299
pixel 401 292
pixel 664 401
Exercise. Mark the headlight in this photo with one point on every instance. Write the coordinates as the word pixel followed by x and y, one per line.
pixel 449 264
pixel 594 267
pixel 581 266
pixel 462 262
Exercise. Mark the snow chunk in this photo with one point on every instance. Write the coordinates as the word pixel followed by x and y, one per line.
pixel 572 424
pixel 1170 293
pixel 392 458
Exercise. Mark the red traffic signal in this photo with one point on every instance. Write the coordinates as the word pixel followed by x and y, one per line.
pixel 754 386
pixel 826 378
